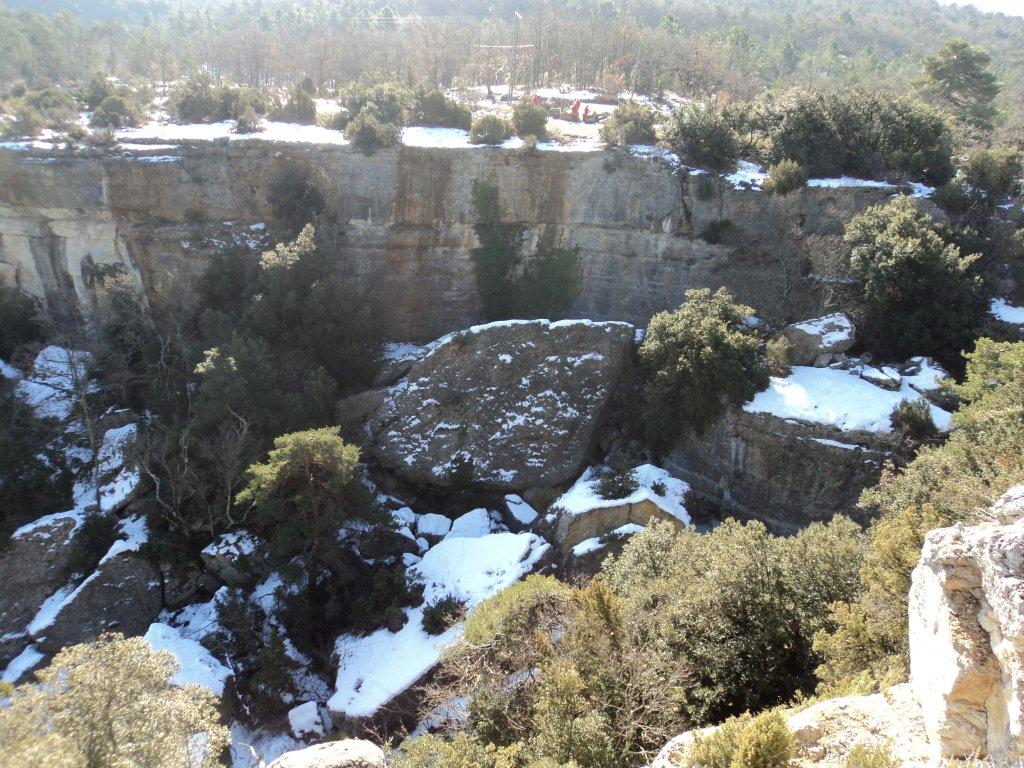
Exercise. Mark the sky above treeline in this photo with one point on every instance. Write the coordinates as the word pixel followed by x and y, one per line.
pixel 1012 7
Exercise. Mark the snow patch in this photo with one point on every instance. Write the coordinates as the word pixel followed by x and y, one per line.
pixel 520 510
pixel 836 398
pixel 197 666
pixel 373 670
pixel 1002 310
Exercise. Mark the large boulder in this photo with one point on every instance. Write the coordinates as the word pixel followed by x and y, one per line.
pixel 236 558
pixel 122 595
pixel 821 336
pixel 523 400
pixel 347 753
pixel 967 635
pixel 35 564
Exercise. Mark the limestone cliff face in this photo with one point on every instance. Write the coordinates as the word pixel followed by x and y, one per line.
pixel 636 221
pixel 786 472
pixel 967 635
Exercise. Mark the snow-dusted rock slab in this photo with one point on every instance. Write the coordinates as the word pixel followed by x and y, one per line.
pixel 375 669
pixel 836 398
pixel 829 335
pixel 236 558
pixel 122 595
pixel 967 635
pixel 34 565
pixel 583 514
pixel 521 399
pixel 347 753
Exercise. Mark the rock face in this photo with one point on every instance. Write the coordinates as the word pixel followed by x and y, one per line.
pixel 636 221
pixel 347 753
pixel 824 734
pixel 523 399
pixel 779 470
pixel 35 565
pixel 811 339
pixel 967 635
pixel 122 595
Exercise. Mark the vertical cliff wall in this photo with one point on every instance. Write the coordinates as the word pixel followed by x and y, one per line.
pixel 637 221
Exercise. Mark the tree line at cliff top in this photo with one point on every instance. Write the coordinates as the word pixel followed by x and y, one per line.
pixel 736 51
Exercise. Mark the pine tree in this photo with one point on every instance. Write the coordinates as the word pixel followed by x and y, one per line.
pixel 960 75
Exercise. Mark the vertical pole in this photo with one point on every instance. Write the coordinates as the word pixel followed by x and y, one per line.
pixel 514 58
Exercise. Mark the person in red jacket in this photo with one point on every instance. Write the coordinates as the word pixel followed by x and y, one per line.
pixel 586 114
pixel 576 111
pixel 535 100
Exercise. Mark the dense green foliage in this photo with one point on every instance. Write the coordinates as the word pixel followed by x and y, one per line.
pixel 300 106
pixel 529 120
pixel 33 475
pixel 368 132
pixel 431 107
pixel 920 293
pixel 784 177
pixel 738 608
pixel 308 489
pixel 868 134
pixel 200 100
pixel 960 75
pixel 696 361
pixel 510 283
pixel 489 129
pixel 955 481
pixel 701 135
pixel 21 322
pixel 682 629
pixel 630 123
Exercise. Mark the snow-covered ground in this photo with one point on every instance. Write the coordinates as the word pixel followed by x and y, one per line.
pixel 841 399
pixel 583 496
pixel 373 670
pixel 197 666
pixel 1002 310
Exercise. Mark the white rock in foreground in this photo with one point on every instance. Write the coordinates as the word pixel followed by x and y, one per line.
pixel 967 635
pixel 348 753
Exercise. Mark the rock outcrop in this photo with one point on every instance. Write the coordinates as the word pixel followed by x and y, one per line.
pixel 35 565
pixel 813 340
pixel 779 470
pixel 967 635
pixel 347 753
pixel 522 399
pixel 122 595
pixel 825 733
pixel 636 220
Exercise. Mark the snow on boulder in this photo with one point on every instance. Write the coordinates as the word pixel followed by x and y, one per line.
pixel 375 669
pixel 196 665
pixel 523 513
pixel 598 543
pixel 35 564
pixel 473 525
pixel 306 721
pixel 519 399
pixel 432 524
pixel 119 477
pixel 347 753
pixel 836 398
pixel 58 376
pixel 829 335
pixel 123 594
pixel 582 513
pixel 236 558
